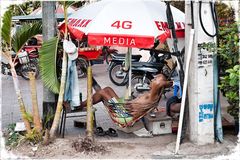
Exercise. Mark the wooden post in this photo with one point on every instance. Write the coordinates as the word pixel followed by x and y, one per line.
pixel 89 132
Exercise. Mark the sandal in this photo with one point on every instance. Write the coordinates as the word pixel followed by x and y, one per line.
pixel 99 131
pixel 111 132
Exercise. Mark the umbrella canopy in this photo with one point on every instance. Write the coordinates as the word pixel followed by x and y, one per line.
pixel 125 23
pixel 37 14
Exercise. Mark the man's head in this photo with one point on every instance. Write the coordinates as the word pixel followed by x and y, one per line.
pixel 160 81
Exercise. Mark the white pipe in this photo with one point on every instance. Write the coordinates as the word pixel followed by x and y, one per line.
pixel 179 133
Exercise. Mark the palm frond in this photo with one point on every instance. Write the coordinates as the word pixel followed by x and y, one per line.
pixel 48 55
pixel 67 4
pixel 27 31
pixel 28 116
pixel 6 27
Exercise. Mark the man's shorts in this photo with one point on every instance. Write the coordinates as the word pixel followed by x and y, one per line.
pixel 172 100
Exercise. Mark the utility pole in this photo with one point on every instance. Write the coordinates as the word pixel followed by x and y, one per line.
pixel 49 31
pixel 200 86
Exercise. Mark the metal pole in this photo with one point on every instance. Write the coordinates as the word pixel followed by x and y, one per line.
pixel 49 31
pixel 184 92
pixel 130 73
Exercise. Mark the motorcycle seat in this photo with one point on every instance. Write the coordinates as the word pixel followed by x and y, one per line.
pixel 122 56
pixel 147 64
pixel 33 55
pixel 145 69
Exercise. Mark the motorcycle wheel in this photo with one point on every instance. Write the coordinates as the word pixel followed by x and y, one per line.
pixel 31 66
pixel 117 69
pixel 81 64
pixel 137 81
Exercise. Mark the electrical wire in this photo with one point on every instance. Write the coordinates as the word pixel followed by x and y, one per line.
pixel 192 14
pixel 214 16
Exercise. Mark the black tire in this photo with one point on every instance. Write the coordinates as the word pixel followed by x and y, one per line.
pixel 138 79
pixel 113 75
pixel 82 65
pixel 31 66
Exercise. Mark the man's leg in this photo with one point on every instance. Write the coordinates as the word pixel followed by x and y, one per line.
pixel 175 108
pixel 101 95
pixel 110 92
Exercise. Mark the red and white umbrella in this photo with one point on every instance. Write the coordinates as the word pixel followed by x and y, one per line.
pixel 126 23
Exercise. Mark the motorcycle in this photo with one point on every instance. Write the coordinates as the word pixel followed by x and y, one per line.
pixel 119 76
pixel 116 70
pixel 108 53
pixel 143 73
pixel 24 63
pixel 105 53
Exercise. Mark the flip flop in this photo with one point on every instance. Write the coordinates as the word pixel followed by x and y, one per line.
pixel 99 131
pixel 111 132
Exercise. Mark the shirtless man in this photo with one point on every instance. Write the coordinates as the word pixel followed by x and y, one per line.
pixel 139 105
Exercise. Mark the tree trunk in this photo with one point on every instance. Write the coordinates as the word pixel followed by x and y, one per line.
pixel 89 104
pixel 49 31
pixel 60 98
pixel 62 84
pixel 19 95
pixel 36 117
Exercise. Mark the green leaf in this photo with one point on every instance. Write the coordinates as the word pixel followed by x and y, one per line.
pixel 229 70
pixel 6 27
pixel 27 31
pixel 28 116
pixel 236 67
pixel 67 4
pixel 47 63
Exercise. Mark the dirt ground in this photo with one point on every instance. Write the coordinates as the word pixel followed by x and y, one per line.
pixel 158 147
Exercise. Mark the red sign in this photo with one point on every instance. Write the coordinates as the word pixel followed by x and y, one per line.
pixel 123 24
pixel 163 26
pixel 121 40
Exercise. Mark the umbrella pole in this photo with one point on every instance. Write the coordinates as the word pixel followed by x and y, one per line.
pixel 130 73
